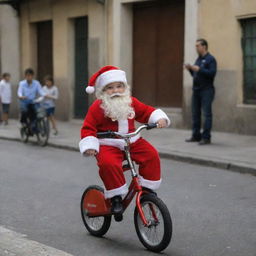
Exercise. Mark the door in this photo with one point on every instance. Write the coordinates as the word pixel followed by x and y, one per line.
pixel 158 42
pixel 81 67
pixel 44 50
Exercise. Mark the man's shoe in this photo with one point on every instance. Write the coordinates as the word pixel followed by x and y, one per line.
pixel 117 208
pixel 204 142
pixel 192 139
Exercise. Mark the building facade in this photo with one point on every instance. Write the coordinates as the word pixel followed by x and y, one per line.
pixel 150 40
pixel 10 49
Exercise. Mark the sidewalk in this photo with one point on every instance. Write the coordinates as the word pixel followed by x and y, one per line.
pixel 16 244
pixel 228 151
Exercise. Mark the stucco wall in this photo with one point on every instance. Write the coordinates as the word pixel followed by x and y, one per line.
pixel 9 50
pixel 218 22
pixel 62 14
pixel 110 42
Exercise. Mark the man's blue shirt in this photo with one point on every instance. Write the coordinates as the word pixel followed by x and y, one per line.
pixel 30 91
pixel 204 78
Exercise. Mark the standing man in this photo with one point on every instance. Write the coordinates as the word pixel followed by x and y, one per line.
pixel 203 73
pixel 5 96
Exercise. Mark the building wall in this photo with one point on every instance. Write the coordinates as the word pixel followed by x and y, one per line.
pixel 121 29
pixel 218 22
pixel 111 42
pixel 62 14
pixel 10 50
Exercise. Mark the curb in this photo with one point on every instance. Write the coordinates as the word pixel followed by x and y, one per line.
pixel 173 156
pixel 225 165
pixel 16 244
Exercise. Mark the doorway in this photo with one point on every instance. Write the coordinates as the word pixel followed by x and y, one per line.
pixel 158 42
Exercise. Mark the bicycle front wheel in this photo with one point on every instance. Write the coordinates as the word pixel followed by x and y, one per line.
pixel 42 125
pixel 157 235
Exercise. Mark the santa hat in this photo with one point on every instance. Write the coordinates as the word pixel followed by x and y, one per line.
pixel 106 75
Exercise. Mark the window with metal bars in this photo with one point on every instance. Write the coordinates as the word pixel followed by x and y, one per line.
pixel 249 59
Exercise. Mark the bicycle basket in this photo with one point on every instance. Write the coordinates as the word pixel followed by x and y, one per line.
pixel 40 113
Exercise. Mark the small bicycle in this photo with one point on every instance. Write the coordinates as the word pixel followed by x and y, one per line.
pixel 40 127
pixel 152 219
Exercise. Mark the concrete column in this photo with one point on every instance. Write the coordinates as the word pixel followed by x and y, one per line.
pixel 10 50
pixel 62 68
pixel 191 34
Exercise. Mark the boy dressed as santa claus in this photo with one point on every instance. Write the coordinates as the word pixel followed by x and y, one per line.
pixel 116 110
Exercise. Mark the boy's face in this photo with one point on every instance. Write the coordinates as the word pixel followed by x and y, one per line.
pixel 29 77
pixel 116 87
pixel 48 83
pixel 7 78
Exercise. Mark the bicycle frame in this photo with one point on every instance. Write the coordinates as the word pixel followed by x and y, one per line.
pixel 97 205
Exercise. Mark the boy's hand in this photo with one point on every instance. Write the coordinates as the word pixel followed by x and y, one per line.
pixel 162 123
pixel 90 152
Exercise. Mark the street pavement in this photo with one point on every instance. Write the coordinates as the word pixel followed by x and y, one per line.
pixel 228 151
pixel 213 210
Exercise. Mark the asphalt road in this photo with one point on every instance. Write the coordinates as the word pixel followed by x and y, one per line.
pixel 213 210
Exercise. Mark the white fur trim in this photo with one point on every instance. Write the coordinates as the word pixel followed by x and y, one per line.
pixel 90 89
pixel 111 76
pixel 156 115
pixel 118 143
pixel 123 126
pixel 151 184
pixel 89 142
pixel 116 192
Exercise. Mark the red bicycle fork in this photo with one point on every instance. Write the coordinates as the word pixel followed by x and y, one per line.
pixel 133 189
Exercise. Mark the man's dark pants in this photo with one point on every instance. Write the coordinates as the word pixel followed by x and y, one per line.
pixel 202 100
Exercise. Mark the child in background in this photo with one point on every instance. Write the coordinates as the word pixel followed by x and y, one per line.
pixel 52 94
pixel 5 96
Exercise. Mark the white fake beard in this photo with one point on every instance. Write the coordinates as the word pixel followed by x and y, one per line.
pixel 117 106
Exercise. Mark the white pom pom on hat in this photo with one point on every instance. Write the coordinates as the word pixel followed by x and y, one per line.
pixel 104 76
pixel 90 89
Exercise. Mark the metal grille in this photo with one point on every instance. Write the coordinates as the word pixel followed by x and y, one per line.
pixel 249 59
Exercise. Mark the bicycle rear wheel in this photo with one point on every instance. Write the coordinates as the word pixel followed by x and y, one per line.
pixel 42 125
pixel 157 235
pixel 97 226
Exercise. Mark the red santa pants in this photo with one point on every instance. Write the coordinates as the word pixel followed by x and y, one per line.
pixel 110 167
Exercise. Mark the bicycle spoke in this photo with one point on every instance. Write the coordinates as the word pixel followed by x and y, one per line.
pixel 153 233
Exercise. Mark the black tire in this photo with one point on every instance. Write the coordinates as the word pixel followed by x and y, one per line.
pixel 165 222
pixel 106 220
pixel 24 134
pixel 42 125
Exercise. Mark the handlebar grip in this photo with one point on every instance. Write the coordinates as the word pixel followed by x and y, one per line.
pixel 108 134
pixel 151 126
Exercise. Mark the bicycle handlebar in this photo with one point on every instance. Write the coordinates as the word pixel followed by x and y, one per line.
pixel 111 134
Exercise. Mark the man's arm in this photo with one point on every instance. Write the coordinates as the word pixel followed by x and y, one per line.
pixel 19 92
pixel 211 70
pixel 1 90
pixel 40 90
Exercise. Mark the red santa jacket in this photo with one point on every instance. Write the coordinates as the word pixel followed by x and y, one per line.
pixel 95 121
